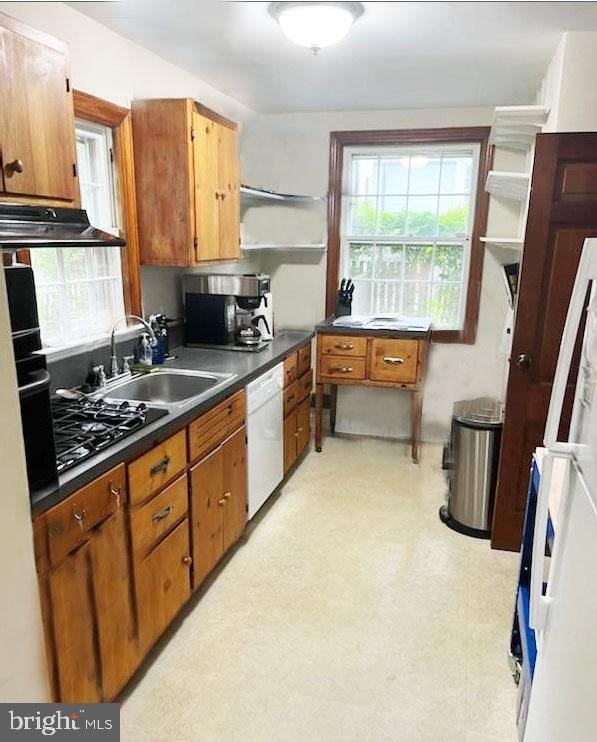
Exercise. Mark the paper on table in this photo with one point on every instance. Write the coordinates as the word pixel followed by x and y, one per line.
pixel 388 321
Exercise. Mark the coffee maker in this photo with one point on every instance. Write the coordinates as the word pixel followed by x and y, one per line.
pixel 228 311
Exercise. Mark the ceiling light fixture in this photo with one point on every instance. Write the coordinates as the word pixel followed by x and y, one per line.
pixel 316 24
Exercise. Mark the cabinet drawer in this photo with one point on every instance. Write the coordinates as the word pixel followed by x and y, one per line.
pixel 209 430
pixel 343 345
pixel 290 369
pixel 304 360
pixel 68 524
pixel 305 385
pixel 150 472
pixel 336 367
pixel 291 395
pixel 151 521
pixel 393 360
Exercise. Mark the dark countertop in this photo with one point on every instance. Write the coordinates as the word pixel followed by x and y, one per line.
pixel 245 366
pixel 329 328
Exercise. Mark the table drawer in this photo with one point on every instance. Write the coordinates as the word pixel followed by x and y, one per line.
pixel 337 367
pixel 68 523
pixel 393 360
pixel 290 369
pixel 209 430
pixel 343 345
pixel 291 397
pixel 304 360
pixel 150 472
pixel 150 522
pixel 305 385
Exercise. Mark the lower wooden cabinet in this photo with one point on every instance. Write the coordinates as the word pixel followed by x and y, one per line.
pixel 163 584
pixel 297 433
pixel 290 447
pixel 218 503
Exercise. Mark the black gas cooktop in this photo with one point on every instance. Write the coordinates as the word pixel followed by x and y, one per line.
pixel 82 428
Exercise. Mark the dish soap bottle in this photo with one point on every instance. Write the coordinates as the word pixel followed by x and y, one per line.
pixel 144 351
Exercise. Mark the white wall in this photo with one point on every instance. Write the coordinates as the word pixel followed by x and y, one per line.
pixel 289 152
pixel 22 658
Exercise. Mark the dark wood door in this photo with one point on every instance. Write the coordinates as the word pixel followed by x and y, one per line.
pixel 235 487
pixel 562 213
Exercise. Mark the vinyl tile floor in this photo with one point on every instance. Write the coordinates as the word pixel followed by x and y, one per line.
pixel 347 613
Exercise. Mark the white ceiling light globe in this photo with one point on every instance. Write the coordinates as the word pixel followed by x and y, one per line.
pixel 315 25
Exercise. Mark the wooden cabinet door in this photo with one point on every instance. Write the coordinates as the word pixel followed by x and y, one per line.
pixel 163 584
pixel 229 193
pixel 303 425
pixel 36 117
pixel 290 440
pixel 73 620
pixel 207 187
pixel 207 514
pixel 115 615
pixel 235 487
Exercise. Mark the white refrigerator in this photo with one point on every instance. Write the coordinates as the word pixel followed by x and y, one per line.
pixel 563 698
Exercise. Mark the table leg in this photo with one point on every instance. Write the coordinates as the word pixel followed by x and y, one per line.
pixel 416 409
pixel 333 406
pixel 318 415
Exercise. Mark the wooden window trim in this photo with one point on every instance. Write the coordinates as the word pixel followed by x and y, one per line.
pixel 99 111
pixel 476 134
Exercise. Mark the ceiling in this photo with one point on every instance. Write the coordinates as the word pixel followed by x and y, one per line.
pixel 397 55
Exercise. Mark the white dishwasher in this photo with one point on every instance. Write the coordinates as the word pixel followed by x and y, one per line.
pixel 265 439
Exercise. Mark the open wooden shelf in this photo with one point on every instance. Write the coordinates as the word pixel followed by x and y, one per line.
pixel 508 185
pixel 515 127
pixel 512 243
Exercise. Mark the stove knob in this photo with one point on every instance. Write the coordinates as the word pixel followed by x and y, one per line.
pixel 124 405
pixel 141 407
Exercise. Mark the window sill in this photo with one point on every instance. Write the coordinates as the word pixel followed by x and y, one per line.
pixel 93 343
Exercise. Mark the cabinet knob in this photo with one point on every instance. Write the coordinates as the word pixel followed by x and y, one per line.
pixel 80 517
pixel 187 561
pixel 227 495
pixel 221 502
pixel 524 361
pixel 16 166
pixel 341 369
pixel 115 492
pixel 344 346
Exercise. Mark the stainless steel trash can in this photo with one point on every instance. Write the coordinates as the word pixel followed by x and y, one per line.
pixel 473 460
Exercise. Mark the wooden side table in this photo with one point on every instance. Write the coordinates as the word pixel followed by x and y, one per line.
pixel 377 358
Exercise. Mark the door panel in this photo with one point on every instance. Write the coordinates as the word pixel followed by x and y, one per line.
pixel 229 188
pixel 235 487
pixel 205 153
pixel 562 213
pixel 37 120
pixel 207 514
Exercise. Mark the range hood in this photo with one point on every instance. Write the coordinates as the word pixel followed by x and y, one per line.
pixel 28 227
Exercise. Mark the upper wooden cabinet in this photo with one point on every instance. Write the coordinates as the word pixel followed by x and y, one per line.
pixel 188 183
pixel 37 139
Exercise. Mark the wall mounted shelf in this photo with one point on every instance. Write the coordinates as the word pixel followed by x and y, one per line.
pixel 510 243
pixel 259 195
pixel 515 127
pixel 258 246
pixel 508 185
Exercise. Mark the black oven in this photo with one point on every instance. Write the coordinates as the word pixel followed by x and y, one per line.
pixel 33 379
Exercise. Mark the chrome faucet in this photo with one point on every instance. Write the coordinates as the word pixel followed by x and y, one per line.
pixel 113 359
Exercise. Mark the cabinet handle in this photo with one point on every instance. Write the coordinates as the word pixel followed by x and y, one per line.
pixel 162 466
pixel 227 495
pixel 296 435
pixel 163 513
pixel 187 561
pixel 221 502
pixel 300 430
pixel 344 346
pixel 290 398
pixel 16 166
pixel 80 517
pixel 115 492
pixel 341 369
pixel 393 361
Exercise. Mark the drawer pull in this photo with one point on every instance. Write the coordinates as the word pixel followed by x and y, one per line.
pixel 162 466
pixel 187 561
pixel 344 346
pixel 163 513
pixel 342 369
pixel 221 502
pixel 393 360
pixel 80 517
pixel 115 492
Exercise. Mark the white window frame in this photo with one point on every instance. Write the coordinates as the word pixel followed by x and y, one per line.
pixel 395 151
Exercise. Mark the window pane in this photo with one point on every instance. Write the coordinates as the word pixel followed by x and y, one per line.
pixel 418 262
pixel 364 176
pixel 453 215
pixel 361 299
pixel 424 174
pixel 393 176
pixel 445 305
pixel 422 216
pixel 75 261
pixel 456 173
pixel 389 261
pixel 362 216
pixel 392 215
pixel 387 296
pixel 449 261
pixel 416 299
pixel 47 269
pixel 360 260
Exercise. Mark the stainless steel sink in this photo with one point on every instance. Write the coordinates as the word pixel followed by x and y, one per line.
pixel 166 387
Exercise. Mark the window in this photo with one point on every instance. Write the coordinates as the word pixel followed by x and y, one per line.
pixel 80 290
pixel 406 229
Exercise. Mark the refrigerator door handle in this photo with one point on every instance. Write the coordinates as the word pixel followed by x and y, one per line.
pixel 587 272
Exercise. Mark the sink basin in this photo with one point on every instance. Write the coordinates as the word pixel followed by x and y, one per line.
pixel 167 387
